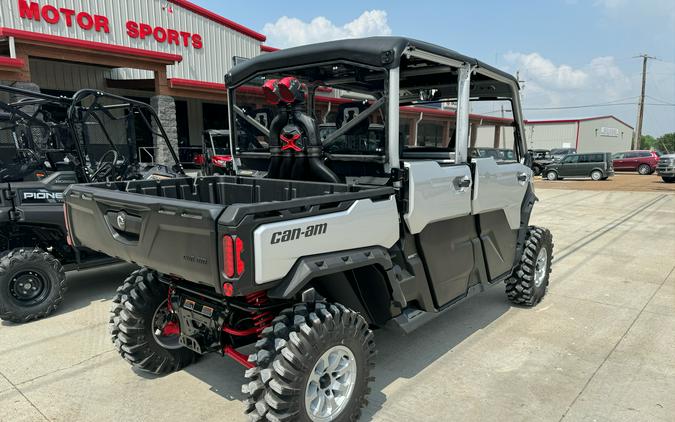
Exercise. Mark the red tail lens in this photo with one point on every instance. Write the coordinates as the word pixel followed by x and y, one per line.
pixel 271 91
pixel 228 256
pixel 290 89
pixel 228 289
pixel 238 249
pixel 65 217
pixel 232 250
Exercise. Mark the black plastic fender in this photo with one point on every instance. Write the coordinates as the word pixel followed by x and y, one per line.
pixel 310 267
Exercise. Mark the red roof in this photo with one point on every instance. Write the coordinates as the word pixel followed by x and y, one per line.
pixel 583 119
pixel 185 4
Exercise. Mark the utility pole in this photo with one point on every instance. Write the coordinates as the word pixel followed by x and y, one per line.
pixel 641 106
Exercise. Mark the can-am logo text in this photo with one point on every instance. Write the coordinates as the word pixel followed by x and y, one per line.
pixel 294 234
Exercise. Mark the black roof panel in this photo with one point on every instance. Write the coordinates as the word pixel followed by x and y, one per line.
pixel 367 51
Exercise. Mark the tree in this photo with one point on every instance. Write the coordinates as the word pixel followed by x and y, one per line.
pixel 647 142
pixel 666 143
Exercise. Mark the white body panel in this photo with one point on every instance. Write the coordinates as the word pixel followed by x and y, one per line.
pixel 434 194
pixel 208 64
pixel 365 223
pixel 497 187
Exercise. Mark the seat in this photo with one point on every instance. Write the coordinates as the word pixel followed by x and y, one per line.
pixel 296 152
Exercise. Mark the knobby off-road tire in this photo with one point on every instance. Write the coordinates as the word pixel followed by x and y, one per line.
pixel 290 351
pixel 529 282
pixel 32 284
pixel 135 306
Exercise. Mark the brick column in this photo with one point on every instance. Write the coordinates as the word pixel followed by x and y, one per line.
pixel 165 106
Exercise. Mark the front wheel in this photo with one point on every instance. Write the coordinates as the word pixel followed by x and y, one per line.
pixel 312 365
pixel 644 169
pixel 143 329
pixel 529 281
pixel 32 284
pixel 668 179
pixel 596 175
pixel 551 175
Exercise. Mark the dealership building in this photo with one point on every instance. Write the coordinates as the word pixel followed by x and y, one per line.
pixel 589 134
pixel 172 54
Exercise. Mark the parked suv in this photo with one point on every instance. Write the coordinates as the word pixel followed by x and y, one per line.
pixel 596 165
pixel 644 162
pixel 666 168
pixel 303 260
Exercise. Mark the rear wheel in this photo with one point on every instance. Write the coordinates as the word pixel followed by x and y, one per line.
pixel 32 284
pixel 144 330
pixel 596 175
pixel 644 169
pixel 551 175
pixel 312 365
pixel 529 282
pixel 668 179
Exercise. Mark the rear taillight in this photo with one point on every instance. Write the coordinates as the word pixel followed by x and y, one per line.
pixel 65 217
pixel 233 264
pixel 238 249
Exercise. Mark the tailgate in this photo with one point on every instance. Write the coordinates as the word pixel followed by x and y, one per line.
pixel 168 235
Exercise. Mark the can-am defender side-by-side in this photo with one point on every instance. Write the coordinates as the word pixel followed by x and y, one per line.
pixel 46 144
pixel 310 250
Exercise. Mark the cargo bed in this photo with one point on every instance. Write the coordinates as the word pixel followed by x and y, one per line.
pixel 174 225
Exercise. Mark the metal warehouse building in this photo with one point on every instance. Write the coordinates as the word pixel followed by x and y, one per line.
pixel 590 134
pixel 170 53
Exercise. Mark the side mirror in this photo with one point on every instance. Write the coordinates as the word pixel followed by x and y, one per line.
pixel 528 159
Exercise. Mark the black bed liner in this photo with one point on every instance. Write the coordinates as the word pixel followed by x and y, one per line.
pixel 174 225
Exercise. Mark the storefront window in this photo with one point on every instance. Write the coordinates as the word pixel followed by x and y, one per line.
pixel 215 116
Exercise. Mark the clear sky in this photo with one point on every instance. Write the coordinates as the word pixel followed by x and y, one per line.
pixel 568 52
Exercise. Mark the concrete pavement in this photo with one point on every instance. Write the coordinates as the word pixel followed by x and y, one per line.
pixel 598 348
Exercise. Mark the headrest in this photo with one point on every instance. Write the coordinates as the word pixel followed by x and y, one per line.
pixel 347 112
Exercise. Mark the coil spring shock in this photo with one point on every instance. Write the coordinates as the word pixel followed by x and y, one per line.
pixel 260 319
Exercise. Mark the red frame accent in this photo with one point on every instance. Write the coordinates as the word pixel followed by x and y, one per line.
pixel 237 356
pixel 90 45
pixel 205 13
pixel 170 328
pixel 11 62
pixel 241 333
pixel 290 142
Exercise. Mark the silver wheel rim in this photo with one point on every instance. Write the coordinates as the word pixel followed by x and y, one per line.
pixel 643 169
pixel 550 175
pixel 596 175
pixel 540 267
pixel 331 384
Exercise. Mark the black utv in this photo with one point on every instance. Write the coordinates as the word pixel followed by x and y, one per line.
pixel 305 251
pixel 46 144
